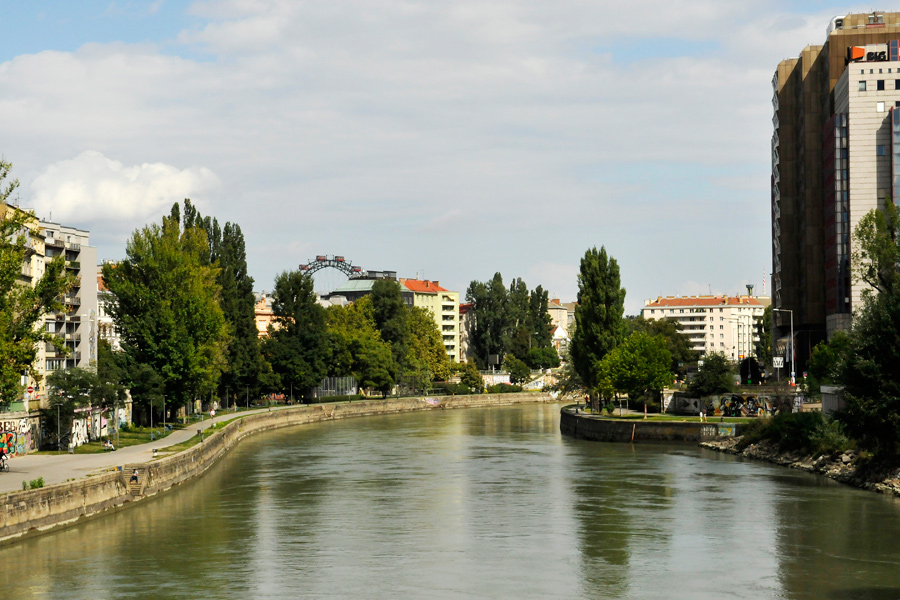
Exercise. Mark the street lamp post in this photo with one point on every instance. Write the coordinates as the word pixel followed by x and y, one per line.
pixel 793 350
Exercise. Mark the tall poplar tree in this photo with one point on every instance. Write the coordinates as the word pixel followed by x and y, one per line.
pixel 598 317
pixel 246 368
pixel 165 305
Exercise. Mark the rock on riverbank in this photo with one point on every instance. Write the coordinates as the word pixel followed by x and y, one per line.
pixel 846 467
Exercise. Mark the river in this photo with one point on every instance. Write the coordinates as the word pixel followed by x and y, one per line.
pixel 474 504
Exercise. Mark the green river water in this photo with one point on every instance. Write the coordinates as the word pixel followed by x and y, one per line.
pixel 478 503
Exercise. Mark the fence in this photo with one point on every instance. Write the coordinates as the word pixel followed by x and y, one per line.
pixel 336 386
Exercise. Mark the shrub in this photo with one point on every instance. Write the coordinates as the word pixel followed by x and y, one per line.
pixel 810 432
pixel 503 388
pixel 610 407
pixel 451 389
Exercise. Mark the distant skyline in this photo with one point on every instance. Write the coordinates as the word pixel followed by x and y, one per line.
pixel 450 139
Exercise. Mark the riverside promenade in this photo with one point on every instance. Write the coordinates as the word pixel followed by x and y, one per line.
pixel 57 468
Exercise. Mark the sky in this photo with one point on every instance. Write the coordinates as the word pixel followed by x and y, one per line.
pixel 441 140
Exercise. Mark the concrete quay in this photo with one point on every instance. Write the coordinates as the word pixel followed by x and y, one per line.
pixel 81 486
pixel 586 426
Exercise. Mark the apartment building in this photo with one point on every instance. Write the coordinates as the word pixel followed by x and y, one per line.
pixel 723 324
pixel 444 305
pixel 77 324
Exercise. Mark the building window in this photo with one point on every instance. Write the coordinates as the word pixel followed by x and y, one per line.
pixel 879 107
pixel 879 150
pixel 862 86
pixel 879 85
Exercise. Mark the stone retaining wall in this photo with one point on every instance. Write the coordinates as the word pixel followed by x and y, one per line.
pixel 588 427
pixel 32 512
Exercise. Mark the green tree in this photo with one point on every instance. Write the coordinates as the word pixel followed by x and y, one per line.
pixel 869 373
pixel 678 344
pixel 489 318
pixel 639 366
pixel 876 251
pixel 356 348
pixel 245 368
pixel 297 347
pixel 764 331
pixel 826 362
pixel 518 371
pixel 390 318
pixel 539 318
pixel 714 377
pixel 22 306
pixel 426 354
pixel 543 358
pixel 598 317
pixel 165 305
pixel 471 377
pixel 68 390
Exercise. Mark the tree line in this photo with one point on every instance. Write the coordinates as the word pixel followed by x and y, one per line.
pixel 184 308
pixel 512 326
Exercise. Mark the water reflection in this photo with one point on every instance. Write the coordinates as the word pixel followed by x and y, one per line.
pixel 474 504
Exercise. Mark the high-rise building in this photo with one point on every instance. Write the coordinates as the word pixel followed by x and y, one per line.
pixel 835 106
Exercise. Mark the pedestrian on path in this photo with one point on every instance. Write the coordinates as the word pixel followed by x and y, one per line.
pixel 134 476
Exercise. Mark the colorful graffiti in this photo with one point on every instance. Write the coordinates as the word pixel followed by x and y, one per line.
pixel 18 436
pixel 730 405
pixel 746 405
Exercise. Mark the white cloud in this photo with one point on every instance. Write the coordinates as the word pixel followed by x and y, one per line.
pixel 533 130
pixel 91 187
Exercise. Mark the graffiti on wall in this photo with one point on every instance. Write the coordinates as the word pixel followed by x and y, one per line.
pixel 730 405
pixel 746 405
pixel 18 436
pixel 79 433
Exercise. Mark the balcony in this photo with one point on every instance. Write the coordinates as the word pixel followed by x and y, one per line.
pixel 73 264
pixel 54 242
pixel 447 307
pixel 73 246
pixel 73 299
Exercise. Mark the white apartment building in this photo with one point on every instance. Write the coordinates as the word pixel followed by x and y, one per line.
pixel 77 325
pixel 724 324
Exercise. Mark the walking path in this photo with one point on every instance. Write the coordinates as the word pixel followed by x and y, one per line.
pixel 56 468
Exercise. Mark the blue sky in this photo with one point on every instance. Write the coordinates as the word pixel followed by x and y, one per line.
pixel 452 140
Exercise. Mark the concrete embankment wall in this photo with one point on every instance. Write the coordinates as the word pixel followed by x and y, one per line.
pixel 588 427
pixel 36 511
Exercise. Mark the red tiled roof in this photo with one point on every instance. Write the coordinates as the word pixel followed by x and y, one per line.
pixel 704 301
pixel 422 286
pixel 465 307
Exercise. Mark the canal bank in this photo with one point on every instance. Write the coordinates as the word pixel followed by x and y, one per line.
pixel 32 512
pixel 575 423
pixel 846 467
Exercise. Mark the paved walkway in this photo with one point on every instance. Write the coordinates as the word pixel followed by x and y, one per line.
pixel 56 468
